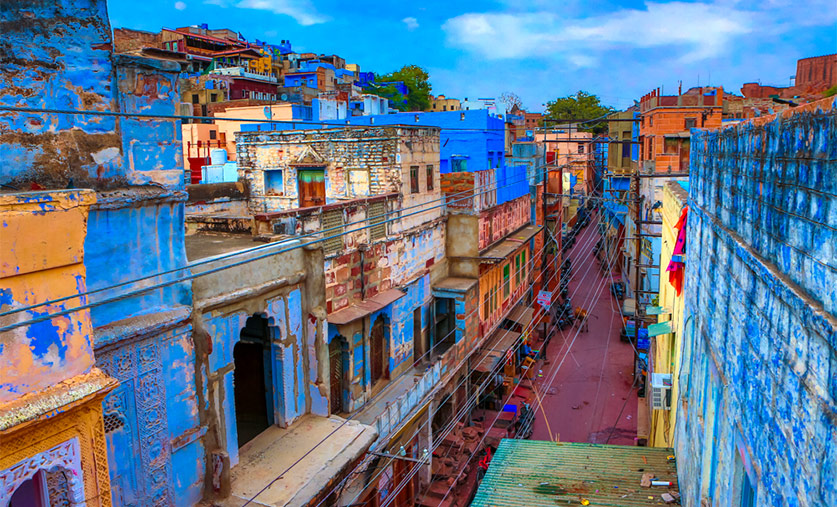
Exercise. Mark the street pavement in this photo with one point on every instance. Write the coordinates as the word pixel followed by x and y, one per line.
pixel 593 369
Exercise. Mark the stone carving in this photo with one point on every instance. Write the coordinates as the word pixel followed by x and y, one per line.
pixel 140 402
pixel 64 456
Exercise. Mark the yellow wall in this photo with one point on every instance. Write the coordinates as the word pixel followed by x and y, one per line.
pixel 491 285
pixel 667 347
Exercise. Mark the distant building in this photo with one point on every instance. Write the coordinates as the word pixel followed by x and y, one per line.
pixel 442 103
pixel 813 76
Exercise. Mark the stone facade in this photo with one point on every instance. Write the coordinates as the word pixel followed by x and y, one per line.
pixel 356 163
pixel 757 407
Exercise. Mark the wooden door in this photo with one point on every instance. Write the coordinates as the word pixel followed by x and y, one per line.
pixel 377 350
pixel 685 147
pixel 311 187
pixel 335 358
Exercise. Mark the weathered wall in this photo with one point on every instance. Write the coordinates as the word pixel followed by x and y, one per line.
pixel 358 163
pixel 286 289
pixel 759 384
pixel 124 227
pixel 666 348
pixel 498 222
pixel 41 258
pixel 62 50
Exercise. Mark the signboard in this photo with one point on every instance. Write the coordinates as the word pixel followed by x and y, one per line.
pixel 544 298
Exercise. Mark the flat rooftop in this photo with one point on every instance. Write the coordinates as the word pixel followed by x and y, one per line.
pixel 203 245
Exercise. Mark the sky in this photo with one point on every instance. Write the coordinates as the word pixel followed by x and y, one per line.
pixel 539 49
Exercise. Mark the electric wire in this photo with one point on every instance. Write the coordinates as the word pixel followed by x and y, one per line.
pixel 485 433
pixel 191 276
pixel 488 334
pixel 556 369
pixel 469 405
pixel 365 404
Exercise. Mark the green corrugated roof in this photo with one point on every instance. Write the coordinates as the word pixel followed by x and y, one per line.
pixel 533 473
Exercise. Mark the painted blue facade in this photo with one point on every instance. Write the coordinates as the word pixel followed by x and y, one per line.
pixel 308 79
pixel 135 228
pixel 759 383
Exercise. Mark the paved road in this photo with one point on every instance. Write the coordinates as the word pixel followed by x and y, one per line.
pixel 590 388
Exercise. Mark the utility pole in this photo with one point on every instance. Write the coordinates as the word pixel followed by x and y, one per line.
pixel 544 251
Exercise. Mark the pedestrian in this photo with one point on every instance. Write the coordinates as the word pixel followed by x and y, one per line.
pixel 581 319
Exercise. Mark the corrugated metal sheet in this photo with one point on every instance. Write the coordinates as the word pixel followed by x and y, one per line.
pixel 534 473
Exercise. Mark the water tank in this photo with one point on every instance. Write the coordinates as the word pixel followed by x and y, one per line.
pixel 218 157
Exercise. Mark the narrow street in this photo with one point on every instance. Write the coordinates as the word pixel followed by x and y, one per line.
pixel 585 383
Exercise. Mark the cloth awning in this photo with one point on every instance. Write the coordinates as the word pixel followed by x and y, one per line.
pixel 273 452
pixel 496 346
pixel 659 328
pixel 522 315
pixel 657 310
pixel 506 247
pixel 365 307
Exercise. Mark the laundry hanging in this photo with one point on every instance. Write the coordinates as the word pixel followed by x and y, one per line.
pixel 676 267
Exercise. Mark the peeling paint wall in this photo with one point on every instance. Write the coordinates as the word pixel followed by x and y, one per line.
pixel 286 289
pixel 62 50
pixel 41 258
pixel 759 383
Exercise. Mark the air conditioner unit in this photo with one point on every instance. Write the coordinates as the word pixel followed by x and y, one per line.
pixel 661 391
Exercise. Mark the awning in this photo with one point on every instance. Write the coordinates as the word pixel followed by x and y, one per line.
pixel 502 341
pixel 522 315
pixel 365 307
pixel 278 451
pixel 657 310
pixel 629 306
pixel 454 284
pixel 513 241
pixel 660 328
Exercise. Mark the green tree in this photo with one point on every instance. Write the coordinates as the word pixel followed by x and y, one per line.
pixel 417 81
pixel 581 105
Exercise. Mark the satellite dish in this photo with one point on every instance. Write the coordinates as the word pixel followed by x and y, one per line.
pixel 284 96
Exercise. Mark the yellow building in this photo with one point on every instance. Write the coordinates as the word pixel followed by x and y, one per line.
pixel 442 103
pixel 666 347
pixel 52 434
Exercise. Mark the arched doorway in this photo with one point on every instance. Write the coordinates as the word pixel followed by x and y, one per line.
pixel 253 380
pixel 337 351
pixel 378 350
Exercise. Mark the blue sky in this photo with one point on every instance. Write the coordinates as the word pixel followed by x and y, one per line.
pixel 538 49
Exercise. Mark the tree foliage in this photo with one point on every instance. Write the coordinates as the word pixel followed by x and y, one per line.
pixel 417 81
pixel 581 105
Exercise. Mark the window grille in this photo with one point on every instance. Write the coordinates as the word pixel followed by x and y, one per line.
pixel 376 213
pixel 331 220
pixel 113 422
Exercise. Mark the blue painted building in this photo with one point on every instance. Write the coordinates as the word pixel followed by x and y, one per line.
pixel 758 405
pixel 135 165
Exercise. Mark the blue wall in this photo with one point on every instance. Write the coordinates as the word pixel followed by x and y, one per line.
pixel 759 381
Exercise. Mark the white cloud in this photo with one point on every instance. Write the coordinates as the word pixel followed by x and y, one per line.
pixel 692 31
pixel 303 11
pixel 180 5
pixel 412 23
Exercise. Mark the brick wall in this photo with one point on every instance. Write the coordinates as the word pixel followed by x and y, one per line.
pixel 759 379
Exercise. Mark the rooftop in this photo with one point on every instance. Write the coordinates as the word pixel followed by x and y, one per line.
pixel 202 245
pixel 533 473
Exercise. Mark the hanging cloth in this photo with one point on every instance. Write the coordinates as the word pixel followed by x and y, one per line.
pixel 676 267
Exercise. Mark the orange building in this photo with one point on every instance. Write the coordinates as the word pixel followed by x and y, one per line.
pixel 665 124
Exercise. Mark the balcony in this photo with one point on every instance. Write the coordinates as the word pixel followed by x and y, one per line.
pixel 241 72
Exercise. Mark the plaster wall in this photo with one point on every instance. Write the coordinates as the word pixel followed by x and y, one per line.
pixel 42 252
pixel 759 385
